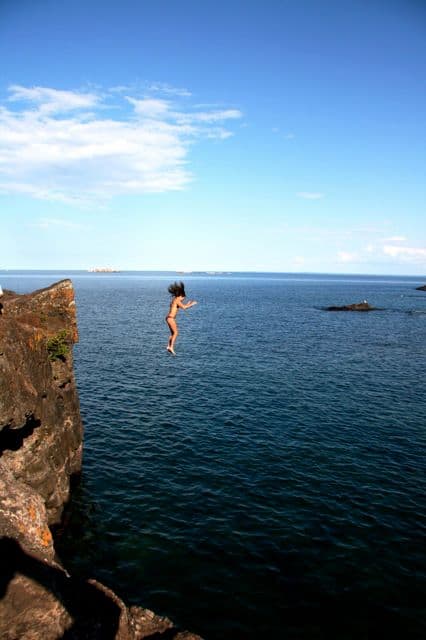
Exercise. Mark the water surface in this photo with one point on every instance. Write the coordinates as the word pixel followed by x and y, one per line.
pixel 269 481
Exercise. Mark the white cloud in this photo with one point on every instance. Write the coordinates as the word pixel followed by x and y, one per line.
pixel 215 116
pixel 298 261
pixel 209 116
pixel 148 88
pixel 150 107
pixel 395 239
pixel 346 256
pixel 52 100
pixel 406 254
pixel 378 253
pixel 66 145
pixel 163 87
pixel 287 136
pixel 310 195
pixel 49 223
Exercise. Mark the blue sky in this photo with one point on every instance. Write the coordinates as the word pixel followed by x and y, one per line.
pixel 214 135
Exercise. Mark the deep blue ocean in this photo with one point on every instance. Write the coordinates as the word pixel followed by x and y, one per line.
pixel 269 480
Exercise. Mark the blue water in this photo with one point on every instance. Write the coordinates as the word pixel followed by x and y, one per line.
pixel 269 481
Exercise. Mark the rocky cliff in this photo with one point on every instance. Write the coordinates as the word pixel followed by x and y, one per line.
pixel 41 438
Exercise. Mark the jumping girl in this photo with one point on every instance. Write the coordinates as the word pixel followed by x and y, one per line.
pixel 177 290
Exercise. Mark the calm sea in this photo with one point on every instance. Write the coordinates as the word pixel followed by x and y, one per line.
pixel 268 481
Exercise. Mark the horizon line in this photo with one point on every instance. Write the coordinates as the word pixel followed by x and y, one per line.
pixel 210 272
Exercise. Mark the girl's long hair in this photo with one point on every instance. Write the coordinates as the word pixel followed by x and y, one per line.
pixel 177 289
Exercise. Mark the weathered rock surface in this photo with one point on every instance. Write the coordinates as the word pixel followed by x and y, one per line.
pixel 40 451
pixel 357 306
pixel 41 433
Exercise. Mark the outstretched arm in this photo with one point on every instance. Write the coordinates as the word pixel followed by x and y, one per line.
pixel 189 304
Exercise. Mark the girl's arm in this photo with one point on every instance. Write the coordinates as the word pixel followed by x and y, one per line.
pixel 189 304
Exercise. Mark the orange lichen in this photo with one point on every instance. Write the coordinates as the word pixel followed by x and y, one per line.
pixel 35 339
pixel 46 537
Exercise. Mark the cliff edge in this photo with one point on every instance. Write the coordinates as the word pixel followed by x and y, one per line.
pixel 41 438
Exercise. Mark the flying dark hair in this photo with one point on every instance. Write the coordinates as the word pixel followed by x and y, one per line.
pixel 177 289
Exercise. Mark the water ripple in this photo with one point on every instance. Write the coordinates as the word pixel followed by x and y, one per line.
pixel 273 471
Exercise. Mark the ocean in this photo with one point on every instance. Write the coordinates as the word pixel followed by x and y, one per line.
pixel 269 480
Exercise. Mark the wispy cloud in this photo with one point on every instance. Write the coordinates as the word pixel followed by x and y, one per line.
pixel 152 88
pixel 347 256
pixel 163 87
pixel 378 253
pixel 395 239
pixel 66 145
pixel 53 100
pixel 298 262
pixel 287 136
pixel 54 223
pixel 150 107
pixel 310 195
pixel 406 254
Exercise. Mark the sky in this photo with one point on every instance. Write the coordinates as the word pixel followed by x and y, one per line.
pixel 219 135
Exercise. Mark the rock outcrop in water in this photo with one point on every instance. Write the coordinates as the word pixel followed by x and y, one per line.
pixel 421 288
pixel 357 306
pixel 41 438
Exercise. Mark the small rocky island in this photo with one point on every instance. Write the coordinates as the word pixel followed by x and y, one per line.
pixel 41 441
pixel 357 306
pixel 421 288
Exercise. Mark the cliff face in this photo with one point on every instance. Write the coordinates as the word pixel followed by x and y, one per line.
pixel 40 427
pixel 41 439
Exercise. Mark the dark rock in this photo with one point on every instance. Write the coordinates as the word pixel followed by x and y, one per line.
pixel 357 306
pixel 422 288
pixel 41 437
pixel 41 433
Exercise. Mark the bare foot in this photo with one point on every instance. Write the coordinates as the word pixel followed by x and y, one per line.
pixel 170 350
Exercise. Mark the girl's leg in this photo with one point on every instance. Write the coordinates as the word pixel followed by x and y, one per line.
pixel 173 339
pixel 173 334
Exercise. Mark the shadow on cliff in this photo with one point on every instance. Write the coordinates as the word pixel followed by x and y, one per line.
pixel 13 439
pixel 95 615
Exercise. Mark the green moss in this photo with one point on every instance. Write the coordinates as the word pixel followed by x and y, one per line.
pixel 58 346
